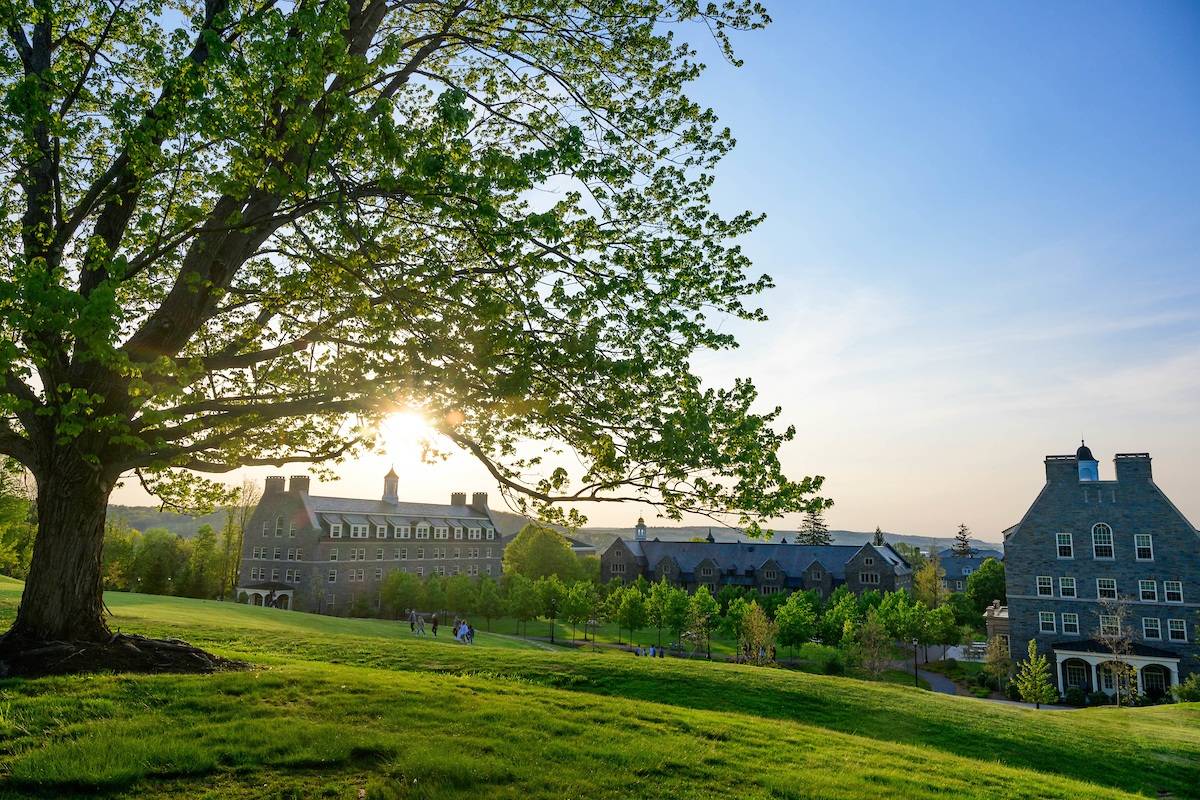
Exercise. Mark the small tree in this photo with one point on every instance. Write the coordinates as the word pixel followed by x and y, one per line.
pixel 929 583
pixel 675 612
pixel 702 616
pixel 797 620
pixel 872 646
pixel 488 602
pixel 757 638
pixel 656 606
pixel 237 517
pixel 435 593
pixel 522 601
pixel 580 604
pixel 939 628
pixel 1035 682
pixel 551 596
pixel 877 539
pixel 998 661
pixel 401 591
pixel 735 617
pixel 1116 634
pixel 814 530
pixel 632 612
pixel 461 594
pixel 962 543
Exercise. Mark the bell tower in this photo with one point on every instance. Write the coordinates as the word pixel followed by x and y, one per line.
pixel 639 530
pixel 391 487
pixel 1089 467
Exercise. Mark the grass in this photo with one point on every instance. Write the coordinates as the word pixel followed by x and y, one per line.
pixel 346 708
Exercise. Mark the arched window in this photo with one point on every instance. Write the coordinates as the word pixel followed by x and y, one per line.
pixel 1102 541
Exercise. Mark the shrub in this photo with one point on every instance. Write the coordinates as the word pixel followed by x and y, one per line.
pixel 1075 696
pixel 1012 691
pixel 1188 691
pixel 822 658
pixel 981 691
pixel 243 598
pixel 1098 699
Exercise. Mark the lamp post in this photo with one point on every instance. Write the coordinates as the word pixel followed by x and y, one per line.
pixel 916 681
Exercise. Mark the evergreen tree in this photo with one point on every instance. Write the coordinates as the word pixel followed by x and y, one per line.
pixel 814 530
pixel 878 539
pixel 1034 680
pixel 962 543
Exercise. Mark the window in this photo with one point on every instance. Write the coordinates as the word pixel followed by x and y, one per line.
pixel 378 573
pixel 439 570
pixel 441 532
pixel 457 553
pixel 266 527
pixel 1106 588
pixel 274 574
pixel 1148 591
pixel 333 554
pixel 958 586
pixel 457 569
pixel 278 553
pixel 381 531
pixel 403 532
pixel 1070 623
pixel 1102 541
pixel 358 532
pixel 1076 675
pixel 1109 625
pixel 404 553
pixel 379 554
pixel 1177 630
pixel 291 554
pixel 1065 547
pixel 358 575
pixel 335 530
pixel 1173 590
pixel 288 576
pixel 871 578
pixel 474 533
pixel 278 527
pixel 1046 621
pixel 299 557
pixel 869 561
pixel 457 531
pixel 491 534
pixel 489 570
pixel 1066 587
pixel 420 571
pixel 420 552
pixel 1143 547
pixel 706 572
pixel 770 590
pixel 422 531
pixel 291 530
pixel 1045 586
pixel 617 569
pixel 1151 628
pixel 396 554
pixel 489 552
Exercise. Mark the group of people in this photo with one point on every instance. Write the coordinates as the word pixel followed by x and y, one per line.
pixel 463 631
pixel 650 652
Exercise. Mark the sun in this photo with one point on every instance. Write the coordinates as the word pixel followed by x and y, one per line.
pixel 402 434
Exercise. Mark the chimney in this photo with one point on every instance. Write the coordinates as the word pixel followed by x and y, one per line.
pixel 458 498
pixel 479 501
pixel 1060 469
pixel 1133 467
pixel 274 484
pixel 298 484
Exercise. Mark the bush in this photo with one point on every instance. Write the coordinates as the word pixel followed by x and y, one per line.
pixel 243 598
pixel 1011 691
pixel 822 658
pixel 981 691
pixel 1075 696
pixel 1188 691
pixel 1098 699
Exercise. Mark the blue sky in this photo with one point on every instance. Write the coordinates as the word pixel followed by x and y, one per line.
pixel 984 225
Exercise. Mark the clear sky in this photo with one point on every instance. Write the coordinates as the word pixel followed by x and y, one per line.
pixel 984 225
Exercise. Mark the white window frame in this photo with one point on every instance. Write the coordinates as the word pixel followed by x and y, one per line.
pixel 333 554
pixel 266 527
pixel 1103 529
pixel 1067 587
pixel 1177 625
pixel 335 530
pixel 381 531
pixel 475 533
pixel 279 526
pixel 422 532
pixel 1069 545
pixel 275 574
pixel 1070 623
pixel 491 534
pixel 1045 586
pixel 770 575
pixel 292 530
pixel 458 532
pixel 441 532
pixel 1109 622
pixel 1173 587
pixel 420 552
pixel 360 531
pixel 1148 587
pixel 617 568
pixel 379 554
pixel 1045 617
pixel 1152 624
pixel 278 554
pixel 1100 595
pixel 379 573
pixel 403 531
pixel 1137 548
pixel 706 572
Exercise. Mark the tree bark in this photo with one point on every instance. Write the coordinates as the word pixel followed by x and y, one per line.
pixel 63 598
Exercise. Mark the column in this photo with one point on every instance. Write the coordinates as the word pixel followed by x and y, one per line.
pixel 1058 671
pixel 1174 670
pixel 1140 690
pixel 1095 665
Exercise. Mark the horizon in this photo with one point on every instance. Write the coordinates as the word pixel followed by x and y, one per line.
pixel 975 267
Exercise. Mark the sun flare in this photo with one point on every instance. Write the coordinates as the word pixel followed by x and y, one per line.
pixel 402 434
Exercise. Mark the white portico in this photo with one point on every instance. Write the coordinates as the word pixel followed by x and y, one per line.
pixel 1089 665
pixel 273 593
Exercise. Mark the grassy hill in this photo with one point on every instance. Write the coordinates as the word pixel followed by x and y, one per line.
pixel 359 709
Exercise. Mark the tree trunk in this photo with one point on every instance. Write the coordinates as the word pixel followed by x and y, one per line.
pixel 63 598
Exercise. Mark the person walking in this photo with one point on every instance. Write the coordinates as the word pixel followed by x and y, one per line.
pixel 412 620
pixel 433 624
pixel 420 625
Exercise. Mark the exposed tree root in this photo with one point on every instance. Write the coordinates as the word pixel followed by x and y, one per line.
pixel 120 653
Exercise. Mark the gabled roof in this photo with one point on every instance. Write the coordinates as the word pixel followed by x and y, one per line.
pixel 792 559
pixel 358 511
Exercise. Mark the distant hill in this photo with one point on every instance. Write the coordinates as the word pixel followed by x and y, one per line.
pixel 145 517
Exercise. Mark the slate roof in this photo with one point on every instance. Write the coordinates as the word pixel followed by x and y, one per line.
pixel 954 565
pixel 358 511
pixel 1095 646
pixel 792 559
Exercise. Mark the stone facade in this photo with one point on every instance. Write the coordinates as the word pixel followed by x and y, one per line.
pixel 768 568
pixel 322 554
pixel 1085 541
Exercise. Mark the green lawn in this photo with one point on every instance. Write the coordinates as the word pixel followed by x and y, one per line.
pixel 358 708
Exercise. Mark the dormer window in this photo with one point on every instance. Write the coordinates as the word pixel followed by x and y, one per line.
pixel 458 531
pixel 403 531
pixel 422 531
pixel 1102 541
pixel 358 531
pixel 474 533
pixel 335 530
pixel 381 531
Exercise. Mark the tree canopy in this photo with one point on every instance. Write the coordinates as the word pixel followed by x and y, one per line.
pixel 537 551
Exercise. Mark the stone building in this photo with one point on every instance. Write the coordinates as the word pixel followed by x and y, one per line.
pixel 767 567
pixel 958 568
pixel 1093 561
pixel 322 554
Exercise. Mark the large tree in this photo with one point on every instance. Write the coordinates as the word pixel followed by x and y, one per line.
pixel 239 233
